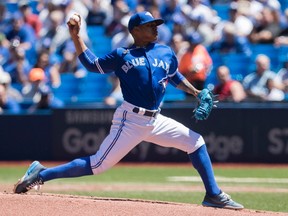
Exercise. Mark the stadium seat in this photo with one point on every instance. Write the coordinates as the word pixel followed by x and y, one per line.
pixel 69 88
pixel 95 30
pixel 284 4
pixel 222 10
pixel 94 88
pixel 216 59
pixel 238 64
pixel 211 79
pixel 283 55
pixel 11 7
pixel 101 44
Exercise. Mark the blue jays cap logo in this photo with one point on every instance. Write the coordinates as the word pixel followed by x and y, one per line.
pixel 142 18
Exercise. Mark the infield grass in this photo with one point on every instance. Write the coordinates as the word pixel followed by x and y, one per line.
pixel 256 187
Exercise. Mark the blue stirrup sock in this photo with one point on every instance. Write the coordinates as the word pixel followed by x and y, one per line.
pixel 76 168
pixel 202 163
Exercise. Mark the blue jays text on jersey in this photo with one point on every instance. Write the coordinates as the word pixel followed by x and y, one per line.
pixel 143 72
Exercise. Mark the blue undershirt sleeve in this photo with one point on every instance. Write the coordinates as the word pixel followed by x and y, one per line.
pixel 106 64
pixel 176 79
pixel 88 60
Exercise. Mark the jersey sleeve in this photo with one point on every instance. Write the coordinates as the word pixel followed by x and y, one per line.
pixel 104 64
pixel 174 76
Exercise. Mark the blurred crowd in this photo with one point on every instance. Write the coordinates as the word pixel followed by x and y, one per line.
pixel 36 49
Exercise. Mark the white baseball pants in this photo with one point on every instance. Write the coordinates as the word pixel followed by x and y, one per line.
pixel 129 129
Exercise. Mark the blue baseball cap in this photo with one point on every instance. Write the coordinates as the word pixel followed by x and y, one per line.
pixel 142 18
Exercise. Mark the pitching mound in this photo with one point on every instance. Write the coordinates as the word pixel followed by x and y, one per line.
pixel 55 204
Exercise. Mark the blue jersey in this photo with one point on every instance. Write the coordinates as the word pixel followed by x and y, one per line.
pixel 143 72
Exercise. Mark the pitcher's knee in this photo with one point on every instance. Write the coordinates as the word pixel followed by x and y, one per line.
pixel 196 144
pixel 100 165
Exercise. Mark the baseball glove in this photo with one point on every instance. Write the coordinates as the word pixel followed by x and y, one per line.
pixel 206 101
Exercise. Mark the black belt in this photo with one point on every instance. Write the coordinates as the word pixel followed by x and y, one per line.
pixel 146 113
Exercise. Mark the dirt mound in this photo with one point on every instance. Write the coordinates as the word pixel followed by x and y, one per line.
pixel 56 204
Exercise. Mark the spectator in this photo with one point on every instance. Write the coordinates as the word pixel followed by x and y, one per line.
pixel 70 63
pixel 120 9
pixel 255 84
pixel 8 104
pixel 68 8
pixel 168 10
pixel 46 8
pixel 228 89
pixel 17 65
pixel 55 33
pixel 97 14
pixel 282 38
pixel 50 68
pixel 31 92
pixel 5 17
pixel 164 32
pixel 274 94
pixel 281 80
pixel 230 42
pixel 47 101
pixel 237 15
pixel 196 9
pixel 12 92
pixel 122 38
pixel 197 24
pixel 267 29
pixel 258 5
pixel 274 4
pixel 24 34
pixel 29 17
pixel 4 49
pixel 179 45
pixel 50 34
pixel 196 63
pixel 178 24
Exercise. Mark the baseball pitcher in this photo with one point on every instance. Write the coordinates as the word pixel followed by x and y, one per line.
pixel 144 71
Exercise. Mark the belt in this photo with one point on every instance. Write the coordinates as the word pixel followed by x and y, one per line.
pixel 146 112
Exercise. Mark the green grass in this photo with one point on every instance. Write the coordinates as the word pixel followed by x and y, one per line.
pixel 151 175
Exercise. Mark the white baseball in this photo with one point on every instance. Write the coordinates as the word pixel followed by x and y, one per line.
pixel 74 19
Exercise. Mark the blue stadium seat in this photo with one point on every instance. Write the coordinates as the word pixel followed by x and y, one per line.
pixel 238 64
pixel 222 10
pixel 69 88
pixel 216 59
pixel 101 44
pixel 283 55
pixel 17 86
pixel 93 31
pixel 94 88
pixel 211 79
pixel 284 4
pixel 11 6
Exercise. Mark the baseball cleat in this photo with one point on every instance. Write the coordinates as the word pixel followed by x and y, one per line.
pixel 221 200
pixel 30 179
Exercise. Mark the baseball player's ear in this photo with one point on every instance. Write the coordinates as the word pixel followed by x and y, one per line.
pixel 135 31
